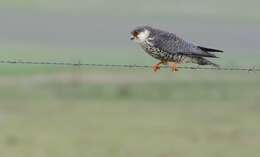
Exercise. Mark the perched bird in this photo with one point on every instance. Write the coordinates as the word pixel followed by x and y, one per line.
pixel 171 49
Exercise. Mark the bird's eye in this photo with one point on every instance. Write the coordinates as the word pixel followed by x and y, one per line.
pixel 135 34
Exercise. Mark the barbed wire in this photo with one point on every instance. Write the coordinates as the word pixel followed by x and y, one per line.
pixel 79 64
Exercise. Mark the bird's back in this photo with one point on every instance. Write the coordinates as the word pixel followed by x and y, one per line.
pixel 171 43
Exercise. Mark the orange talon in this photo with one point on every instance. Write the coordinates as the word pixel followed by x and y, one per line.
pixel 156 67
pixel 174 67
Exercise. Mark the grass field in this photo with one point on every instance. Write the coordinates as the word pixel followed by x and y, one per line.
pixel 97 114
pixel 64 111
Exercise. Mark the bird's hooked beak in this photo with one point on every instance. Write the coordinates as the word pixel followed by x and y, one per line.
pixel 132 37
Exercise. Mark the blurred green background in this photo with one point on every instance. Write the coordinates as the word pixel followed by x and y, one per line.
pixel 60 111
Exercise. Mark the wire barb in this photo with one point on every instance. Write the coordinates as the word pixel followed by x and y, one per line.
pixel 79 64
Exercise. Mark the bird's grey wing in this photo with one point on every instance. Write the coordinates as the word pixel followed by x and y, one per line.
pixel 171 43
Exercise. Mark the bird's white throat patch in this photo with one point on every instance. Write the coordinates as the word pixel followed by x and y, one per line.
pixel 143 36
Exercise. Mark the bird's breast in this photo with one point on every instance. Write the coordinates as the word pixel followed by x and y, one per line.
pixel 151 50
pixel 162 55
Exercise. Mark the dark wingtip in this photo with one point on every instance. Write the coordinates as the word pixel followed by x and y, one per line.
pixel 209 49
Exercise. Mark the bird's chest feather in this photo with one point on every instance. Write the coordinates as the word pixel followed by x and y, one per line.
pixel 153 51
pixel 162 55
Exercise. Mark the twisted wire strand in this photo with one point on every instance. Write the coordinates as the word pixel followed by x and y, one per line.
pixel 79 64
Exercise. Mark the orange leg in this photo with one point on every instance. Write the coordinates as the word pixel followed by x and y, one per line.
pixel 157 67
pixel 173 66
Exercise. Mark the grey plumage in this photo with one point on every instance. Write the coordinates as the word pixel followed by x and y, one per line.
pixel 168 47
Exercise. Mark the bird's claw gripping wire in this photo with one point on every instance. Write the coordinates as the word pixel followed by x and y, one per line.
pixel 156 67
pixel 174 67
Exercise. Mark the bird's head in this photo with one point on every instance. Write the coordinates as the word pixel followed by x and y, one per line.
pixel 141 34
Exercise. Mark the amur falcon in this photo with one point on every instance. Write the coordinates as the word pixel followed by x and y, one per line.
pixel 171 49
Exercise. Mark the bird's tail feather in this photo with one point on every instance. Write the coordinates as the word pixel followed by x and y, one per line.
pixel 209 49
pixel 203 61
pixel 214 64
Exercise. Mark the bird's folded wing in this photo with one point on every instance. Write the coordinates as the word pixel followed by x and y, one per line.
pixel 171 43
